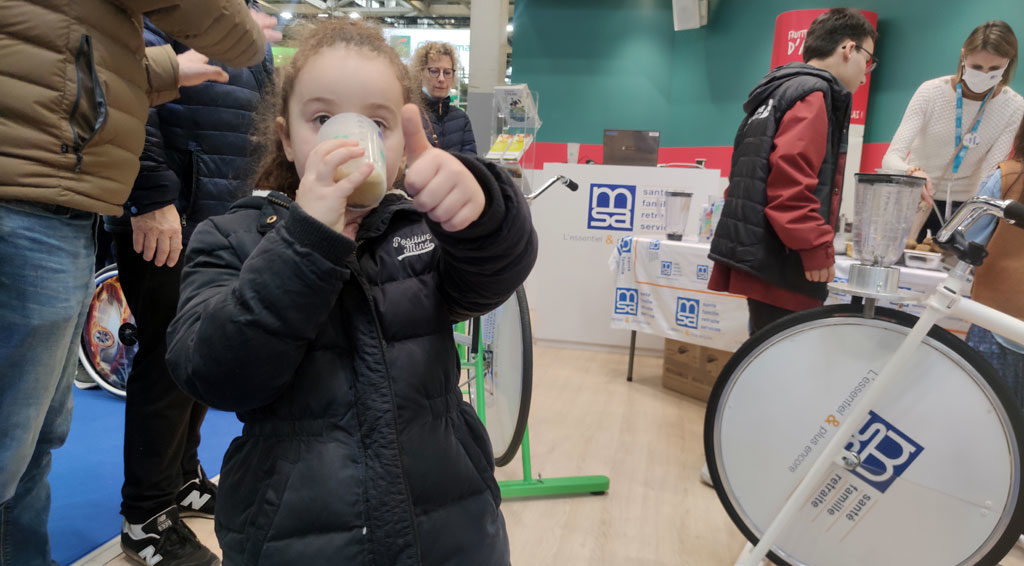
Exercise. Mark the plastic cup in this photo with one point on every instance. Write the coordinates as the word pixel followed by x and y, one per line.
pixel 677 209
pixel 351 126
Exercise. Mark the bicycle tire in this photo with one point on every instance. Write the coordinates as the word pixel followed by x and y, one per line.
pixel 109 363
pixel 728 407
pixel 503 330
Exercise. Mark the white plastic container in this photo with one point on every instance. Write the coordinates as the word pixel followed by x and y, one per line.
pixel 922 260
pixel 357 127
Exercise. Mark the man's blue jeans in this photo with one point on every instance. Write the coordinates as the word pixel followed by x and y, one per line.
pixel 46 264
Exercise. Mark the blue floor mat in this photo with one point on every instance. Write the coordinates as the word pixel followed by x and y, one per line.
pixel 88 471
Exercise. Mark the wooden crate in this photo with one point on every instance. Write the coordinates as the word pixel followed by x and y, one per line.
pixel 691 369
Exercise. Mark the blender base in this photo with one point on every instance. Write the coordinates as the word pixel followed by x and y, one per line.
pixel 876 282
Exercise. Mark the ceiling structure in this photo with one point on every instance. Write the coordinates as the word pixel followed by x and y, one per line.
pixel 442 13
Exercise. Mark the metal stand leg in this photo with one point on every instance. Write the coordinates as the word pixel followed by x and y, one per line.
pixel 632 352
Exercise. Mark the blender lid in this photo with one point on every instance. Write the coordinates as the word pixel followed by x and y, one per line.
pixel 888 179
pixel 678 194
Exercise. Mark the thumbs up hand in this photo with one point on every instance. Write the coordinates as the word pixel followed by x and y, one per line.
pixel 440 186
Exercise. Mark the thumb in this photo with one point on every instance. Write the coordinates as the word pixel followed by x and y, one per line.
pixel 415 138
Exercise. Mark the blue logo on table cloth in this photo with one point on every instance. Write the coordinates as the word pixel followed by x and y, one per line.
pixel 611 207
pixel 885 452
pixel 687 312
pixel 703 271
pixel 666 268
pixel 626 245
pixel 626 300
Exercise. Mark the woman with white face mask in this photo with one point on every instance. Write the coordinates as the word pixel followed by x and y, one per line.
pixel 957 128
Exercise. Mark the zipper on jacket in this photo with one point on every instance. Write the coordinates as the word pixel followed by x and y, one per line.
pixel 88 90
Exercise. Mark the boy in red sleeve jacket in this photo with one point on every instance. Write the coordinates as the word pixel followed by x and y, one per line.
pixel 773 243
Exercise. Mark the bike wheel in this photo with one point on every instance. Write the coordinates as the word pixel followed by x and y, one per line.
pixel 940 455
pixel 108 343
pixel 507 347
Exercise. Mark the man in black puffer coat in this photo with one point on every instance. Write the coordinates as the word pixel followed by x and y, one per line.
pixel 195 161
pixel 338 355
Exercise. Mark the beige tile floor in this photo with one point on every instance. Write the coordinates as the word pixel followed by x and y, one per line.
pixel 588 420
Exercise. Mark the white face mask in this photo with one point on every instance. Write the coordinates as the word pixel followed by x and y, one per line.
pixel 980 81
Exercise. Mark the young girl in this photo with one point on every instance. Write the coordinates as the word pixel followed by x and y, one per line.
pixel 328 330
pixel 997 281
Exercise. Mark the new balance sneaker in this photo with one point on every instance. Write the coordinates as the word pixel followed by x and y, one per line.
pixel 198 497
pixel 165 540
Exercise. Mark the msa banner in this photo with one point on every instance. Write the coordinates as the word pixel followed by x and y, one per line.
pixel 661 288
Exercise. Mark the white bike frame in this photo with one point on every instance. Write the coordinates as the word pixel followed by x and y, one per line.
pixel 946 300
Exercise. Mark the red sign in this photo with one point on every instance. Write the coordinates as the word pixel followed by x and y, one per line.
pixel 788 47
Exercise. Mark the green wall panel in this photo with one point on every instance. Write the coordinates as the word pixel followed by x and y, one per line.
pixel 600 64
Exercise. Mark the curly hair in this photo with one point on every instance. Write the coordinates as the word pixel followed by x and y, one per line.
pixel 274 171
pixel 436 49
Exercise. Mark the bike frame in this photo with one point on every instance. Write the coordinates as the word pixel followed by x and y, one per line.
pixel 946 300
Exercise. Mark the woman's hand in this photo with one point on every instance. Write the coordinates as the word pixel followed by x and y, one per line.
pixel 438 183
pixel 928 191
pixel 318 194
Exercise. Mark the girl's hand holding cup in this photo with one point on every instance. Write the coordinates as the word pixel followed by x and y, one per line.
pixel 438 183
pixel 319 194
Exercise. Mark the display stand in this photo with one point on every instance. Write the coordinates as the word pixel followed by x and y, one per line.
pixel 515 122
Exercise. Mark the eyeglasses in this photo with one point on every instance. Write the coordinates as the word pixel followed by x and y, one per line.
pixel 872 60
pixel 436 72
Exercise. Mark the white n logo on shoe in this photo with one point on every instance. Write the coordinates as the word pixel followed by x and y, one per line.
pixel 150 556
pixel 196 499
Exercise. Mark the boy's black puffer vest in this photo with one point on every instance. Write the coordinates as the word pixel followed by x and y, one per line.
pixel 744 239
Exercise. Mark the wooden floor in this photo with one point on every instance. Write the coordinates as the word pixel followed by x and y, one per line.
pixel 587 420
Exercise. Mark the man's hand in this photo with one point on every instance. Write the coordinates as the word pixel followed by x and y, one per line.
pixel 194 68
pixel 157 236
pixel 438 183
pixel 824 275
pixel 267 23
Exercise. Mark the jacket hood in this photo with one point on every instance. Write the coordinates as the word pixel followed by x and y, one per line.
pixel 780 75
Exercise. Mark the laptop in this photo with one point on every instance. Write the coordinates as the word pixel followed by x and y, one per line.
pixel 631 147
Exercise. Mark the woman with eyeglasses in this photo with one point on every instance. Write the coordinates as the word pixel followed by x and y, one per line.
pixel 446 125
pixel 957 128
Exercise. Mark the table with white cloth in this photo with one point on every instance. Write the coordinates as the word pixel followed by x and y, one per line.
pixel 661 288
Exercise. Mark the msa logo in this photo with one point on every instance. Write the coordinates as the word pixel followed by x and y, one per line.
pixel 666 268
pixel 703 272
pixel 626 300
pixel 196 500
pixel 626 245
pixel 611 207
pixel 687 312
pixel 885 452
pixel 763 111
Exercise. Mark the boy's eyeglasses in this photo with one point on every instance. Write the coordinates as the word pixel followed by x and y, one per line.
pixel 872 60
pixel 436 72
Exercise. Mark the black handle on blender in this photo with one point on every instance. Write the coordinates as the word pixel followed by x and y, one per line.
pixel 1014 212
pixel 571 184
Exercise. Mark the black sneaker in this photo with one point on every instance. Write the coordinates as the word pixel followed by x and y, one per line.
pixel 198 497
pixel 165 540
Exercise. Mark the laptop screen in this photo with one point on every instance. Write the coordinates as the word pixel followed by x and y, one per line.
pixel 631 147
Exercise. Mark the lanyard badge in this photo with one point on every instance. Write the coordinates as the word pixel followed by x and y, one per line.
pixel 962 142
